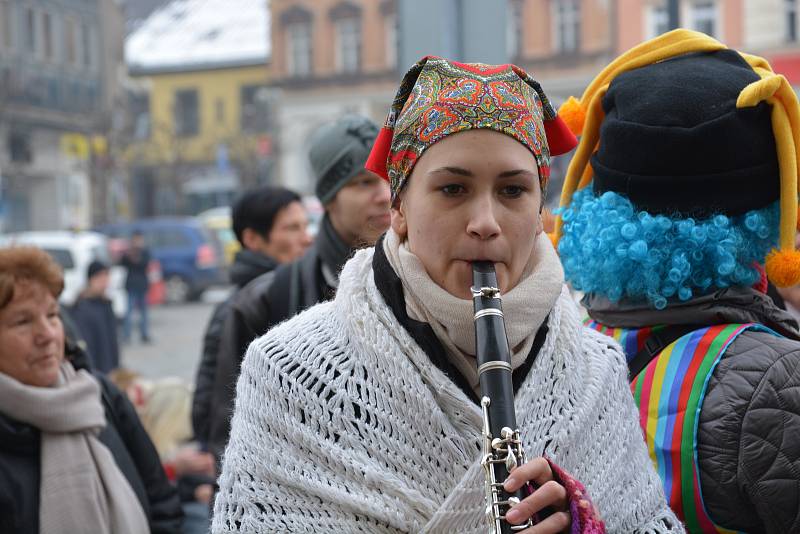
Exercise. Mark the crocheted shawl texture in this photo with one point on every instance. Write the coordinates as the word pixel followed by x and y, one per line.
pixel 342 424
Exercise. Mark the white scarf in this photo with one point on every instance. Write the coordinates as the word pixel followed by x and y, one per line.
pixel 525 306
pixel 81 490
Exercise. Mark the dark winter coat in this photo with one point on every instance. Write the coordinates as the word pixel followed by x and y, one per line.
pixel 748 446
pixel 136 262
pixel 128 442
pixel 94 317
pixel 260 305
pixel 247 266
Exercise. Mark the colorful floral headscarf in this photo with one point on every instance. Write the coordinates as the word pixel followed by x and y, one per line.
pixel 439 97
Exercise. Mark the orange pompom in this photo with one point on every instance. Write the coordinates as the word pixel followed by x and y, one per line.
pixel 573 115
pixel 783 267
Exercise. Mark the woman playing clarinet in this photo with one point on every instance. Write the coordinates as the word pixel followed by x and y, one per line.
pixel 378 411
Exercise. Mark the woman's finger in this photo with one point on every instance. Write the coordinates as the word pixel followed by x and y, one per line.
pixel 555 524
pixel 551 494
pixel 537 471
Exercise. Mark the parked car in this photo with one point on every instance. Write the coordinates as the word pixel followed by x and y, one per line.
pixel 189 254
pixel 219 221
pixel 74 251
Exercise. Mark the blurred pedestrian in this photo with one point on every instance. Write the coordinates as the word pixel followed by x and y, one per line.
pixel 272 228
pixel 671 228
pixel 73 455
pixel 136 260
pixel 94 317
pixel 356 204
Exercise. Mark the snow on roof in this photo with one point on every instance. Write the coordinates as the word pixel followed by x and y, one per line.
pixel 198 34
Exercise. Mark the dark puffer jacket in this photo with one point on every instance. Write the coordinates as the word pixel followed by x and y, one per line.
pixel 749 430
pixel 128 442
pixel 247 266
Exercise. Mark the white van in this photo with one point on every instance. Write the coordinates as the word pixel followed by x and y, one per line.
pixel 74 251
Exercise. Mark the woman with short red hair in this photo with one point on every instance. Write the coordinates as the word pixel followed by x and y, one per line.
pixel 73 455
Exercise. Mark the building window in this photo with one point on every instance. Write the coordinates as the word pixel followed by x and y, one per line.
pixel 791 20
pixel 139 109
pixel 254 109
pixel 348 44
pixel 514 28
pixel 69 37
pixel 6 15
pixel 47 33
pixel 298 48
pixel 86 45
pixel 186 113
pixel 567 25
pixel 219 112
pixel 30 30
pixel 391 36
pixel 703 16
pixel 19 147
pixel 657 20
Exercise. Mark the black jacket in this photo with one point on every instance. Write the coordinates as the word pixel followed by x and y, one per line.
pixel 136 261
pixel 748 434
pixel 260 305
pixel 247 266
pixel 94 317
pixel 128 442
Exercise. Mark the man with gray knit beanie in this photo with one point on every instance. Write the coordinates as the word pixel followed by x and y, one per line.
pixel 356 204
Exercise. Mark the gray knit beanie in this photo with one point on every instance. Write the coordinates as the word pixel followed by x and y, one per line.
pixel 339 151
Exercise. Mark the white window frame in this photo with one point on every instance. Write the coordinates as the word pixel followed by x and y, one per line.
pixel 72 41
pixel 390 35
pixel 790 8
pixel 566 42
pixel 514 28
pixel 701 11
pixel 656 19
pixel 347 55
pixel 53 49
pixel 31 14
pixel 294 32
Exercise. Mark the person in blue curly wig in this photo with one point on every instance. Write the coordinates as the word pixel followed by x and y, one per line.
pixel 679 205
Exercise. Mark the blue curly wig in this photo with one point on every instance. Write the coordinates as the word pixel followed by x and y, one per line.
pixel 611 249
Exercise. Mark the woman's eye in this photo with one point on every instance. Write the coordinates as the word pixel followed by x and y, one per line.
pixel 513 191
pixel 452 190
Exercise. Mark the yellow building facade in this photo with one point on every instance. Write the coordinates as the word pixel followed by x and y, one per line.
pixel 229 109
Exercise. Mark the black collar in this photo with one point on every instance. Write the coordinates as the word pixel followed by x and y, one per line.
pixel 391 289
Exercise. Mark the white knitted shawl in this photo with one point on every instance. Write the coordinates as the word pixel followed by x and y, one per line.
pixel 342 424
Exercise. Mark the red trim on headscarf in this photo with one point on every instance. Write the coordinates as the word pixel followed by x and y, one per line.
pixel 559 137
pixel 480 68
pixel 376 162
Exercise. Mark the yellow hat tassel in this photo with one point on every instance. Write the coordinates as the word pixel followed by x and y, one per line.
pixel 783 263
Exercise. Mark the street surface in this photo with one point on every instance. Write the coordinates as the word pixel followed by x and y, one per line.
pixel 177 333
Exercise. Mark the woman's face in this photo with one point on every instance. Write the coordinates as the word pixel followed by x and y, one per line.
pixel 31 336
pixel 472 196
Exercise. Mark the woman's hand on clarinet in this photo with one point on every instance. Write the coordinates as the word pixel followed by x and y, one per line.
pixel 548 494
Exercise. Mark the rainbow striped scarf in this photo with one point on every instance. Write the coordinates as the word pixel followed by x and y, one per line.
pixel 670 393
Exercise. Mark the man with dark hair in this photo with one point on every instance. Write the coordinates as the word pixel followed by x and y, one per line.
pixel 356 213
pixel 271 225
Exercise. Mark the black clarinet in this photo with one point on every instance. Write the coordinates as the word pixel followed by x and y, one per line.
pixel 502 447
